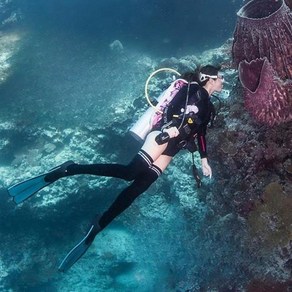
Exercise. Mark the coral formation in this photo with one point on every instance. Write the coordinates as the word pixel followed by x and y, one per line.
pixel 289 3
pixel 260 286
pixel 271 219
pixel 196 238
pixel 262 49
pixel 266 97
pixel 116 46
pixel 288 165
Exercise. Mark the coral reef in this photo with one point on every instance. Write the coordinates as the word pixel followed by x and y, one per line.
pixel 175 237
pixel 289 3
pixel 271 219
pixel 246 157
pixel 9 15
pixel 260 286
pixel 9 45
pixel 265 67
pixel 116 46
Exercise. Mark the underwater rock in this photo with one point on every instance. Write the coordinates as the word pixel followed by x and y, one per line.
pixel 3 270
pixel 288 165
pixel 7 13
pixel 262 49
pixel 268 286
pixel 49 148
pixel 155 206
pixel 187 63
pixel 271 219
pixel 9 43
pixel 220 55
pixel 116 46
pixel 289 3
pixel 13 18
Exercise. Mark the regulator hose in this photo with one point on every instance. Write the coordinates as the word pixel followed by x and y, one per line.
pixel 147 83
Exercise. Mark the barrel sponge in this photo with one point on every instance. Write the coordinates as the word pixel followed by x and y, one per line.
pixel 262 51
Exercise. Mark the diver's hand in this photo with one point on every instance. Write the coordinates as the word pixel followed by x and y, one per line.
pixel 172 132
pixel 207 171
pixel 192 109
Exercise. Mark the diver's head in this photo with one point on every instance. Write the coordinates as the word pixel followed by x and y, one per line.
pixel 211 78
pixel 209 72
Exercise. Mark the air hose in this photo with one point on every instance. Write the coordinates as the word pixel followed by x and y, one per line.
pixel 147 83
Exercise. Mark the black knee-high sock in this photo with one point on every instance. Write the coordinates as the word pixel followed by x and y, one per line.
pixel 138 165
pixel 128 195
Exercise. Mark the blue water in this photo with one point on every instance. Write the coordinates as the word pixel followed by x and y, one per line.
pixel 67 91
pixel 160 27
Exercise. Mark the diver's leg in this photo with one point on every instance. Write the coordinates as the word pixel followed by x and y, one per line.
pixel 151 147
pixel 162 161
pixel 127 172
pixel 149 152
pixel 123 201
pixel 128 195
pixel 139 186
pixel 139 163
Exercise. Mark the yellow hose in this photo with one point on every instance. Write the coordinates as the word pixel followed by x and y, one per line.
pixel 148 80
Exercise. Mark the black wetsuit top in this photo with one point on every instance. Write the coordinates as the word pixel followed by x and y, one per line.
pixel 199 97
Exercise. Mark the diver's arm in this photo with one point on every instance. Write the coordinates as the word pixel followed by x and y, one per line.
pixel 207 171
pixel 166 134
pixel 202 145
pixel 172 132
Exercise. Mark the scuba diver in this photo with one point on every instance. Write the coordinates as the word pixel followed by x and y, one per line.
pixel 183 121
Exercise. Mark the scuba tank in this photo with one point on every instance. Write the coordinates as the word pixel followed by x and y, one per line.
pixel 143 126
pixel 154 114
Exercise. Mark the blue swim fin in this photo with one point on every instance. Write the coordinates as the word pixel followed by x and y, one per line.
pixel 78 250
pixel 26 189
pixel 23 190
